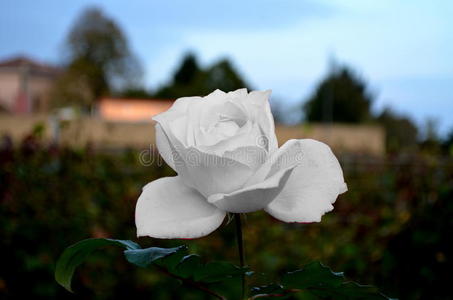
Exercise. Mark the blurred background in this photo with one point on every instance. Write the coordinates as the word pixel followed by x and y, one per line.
pixel 80 81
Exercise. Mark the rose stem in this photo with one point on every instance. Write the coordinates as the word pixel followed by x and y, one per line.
pixel 240 243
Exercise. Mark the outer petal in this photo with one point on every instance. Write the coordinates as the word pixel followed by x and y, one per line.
pixel 207 173
pixel 211 174
pixel 178 110
pixel 252 198
pixel 169 209
pixel 286 156
pixel 262 188
pixel 164 147
pixel 179 107
pixel 312 187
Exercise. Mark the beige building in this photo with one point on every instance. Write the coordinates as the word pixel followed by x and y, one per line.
pixel 25 85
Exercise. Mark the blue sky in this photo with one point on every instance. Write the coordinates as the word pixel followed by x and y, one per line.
pixel 404 49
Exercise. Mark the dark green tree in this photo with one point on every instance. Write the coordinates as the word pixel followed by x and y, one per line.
pixel 186 79
pixel 134 93
pixel 223 76
pixel 190 79
pixel 188 71
pixel 430 141
pixel 98 60
pixel 400 132
pixel 447 143
pixel 341 97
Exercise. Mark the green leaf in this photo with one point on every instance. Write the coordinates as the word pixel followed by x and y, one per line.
pixel 74 255
pixel 171 261
pixel 317 280
pixel 187 266
pixel 353 290
pixel 217 271
pixel 312 275
pixel 276 291
pixel 145 257
pixel 191 267
pixel 174 261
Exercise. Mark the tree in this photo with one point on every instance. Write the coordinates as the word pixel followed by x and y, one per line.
pixel 341 97
pixel 98 61
pixel 447 144
pixel 186 79
pixel 188 71
pixel 223 76
pixel 134 93
pixel 430 141
pixel 400 132
pixel 190 79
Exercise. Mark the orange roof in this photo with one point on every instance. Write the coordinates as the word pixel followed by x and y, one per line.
pixel 131 110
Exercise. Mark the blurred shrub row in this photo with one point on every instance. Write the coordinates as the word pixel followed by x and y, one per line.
pixel 391 229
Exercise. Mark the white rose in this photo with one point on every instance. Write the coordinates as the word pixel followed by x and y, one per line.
pixel 224 149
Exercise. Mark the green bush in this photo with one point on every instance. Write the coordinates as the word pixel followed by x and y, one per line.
pixel 391 228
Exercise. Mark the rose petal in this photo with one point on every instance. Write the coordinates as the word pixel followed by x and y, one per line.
pixel 245 137
pixel 178 110
pixel 232 111
pixel 169 209
pixel 215 95
pixel 207 173
pixel 251 156
pixel 260 99
pixel 312 187
pixel 265 184
pixel 286 156
pixel 211 174
pixel 252 198
pixel 239 93
pixel 164 146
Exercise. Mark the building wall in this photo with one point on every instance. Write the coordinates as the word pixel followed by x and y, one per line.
pixel 9 87
pixel 104 134
pixel 112 109
pixel 38 89
pixel 342 137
